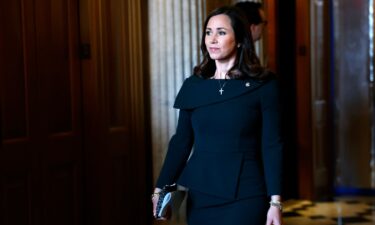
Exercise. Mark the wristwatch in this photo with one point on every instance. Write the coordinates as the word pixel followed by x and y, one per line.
pixel 277 204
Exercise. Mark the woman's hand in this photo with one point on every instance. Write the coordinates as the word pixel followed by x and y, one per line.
pixel 274 216
pixel 154 199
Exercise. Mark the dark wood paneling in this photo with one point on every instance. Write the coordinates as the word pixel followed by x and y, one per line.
pixel 114 112
pixel 117 71
pixel 14 115
pixel 122 172
pixel 16 199
pixel 270 34
pixel 62 198
pixel 56 29
pixel 303 100
pixel 17 121
pixel 59 77
pixel 40 112
pixel 44 115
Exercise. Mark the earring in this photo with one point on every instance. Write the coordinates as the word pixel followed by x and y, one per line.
pixel 239 45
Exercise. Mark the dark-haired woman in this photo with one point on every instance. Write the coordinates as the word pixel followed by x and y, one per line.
pixel 229 112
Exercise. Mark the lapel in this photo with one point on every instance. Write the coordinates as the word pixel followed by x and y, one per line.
pixel 196 91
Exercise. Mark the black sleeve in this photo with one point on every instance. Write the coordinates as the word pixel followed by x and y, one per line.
pixel 179 150
pixel 272 145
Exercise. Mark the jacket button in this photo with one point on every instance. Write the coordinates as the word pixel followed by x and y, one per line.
pixel 247 84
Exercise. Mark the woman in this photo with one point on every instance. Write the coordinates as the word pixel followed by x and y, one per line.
pixel 229 113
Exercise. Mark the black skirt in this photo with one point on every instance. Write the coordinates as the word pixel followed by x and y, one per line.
pixel 204 209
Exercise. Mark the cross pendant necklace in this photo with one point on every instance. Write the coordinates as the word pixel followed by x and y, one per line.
pixel 221 90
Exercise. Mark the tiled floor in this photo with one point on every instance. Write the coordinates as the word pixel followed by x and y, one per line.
pixel 342 211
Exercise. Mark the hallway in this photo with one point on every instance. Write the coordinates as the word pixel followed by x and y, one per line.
pixel 342 211
pixel 87 89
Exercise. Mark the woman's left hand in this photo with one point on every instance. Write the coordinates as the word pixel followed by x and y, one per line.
pixel 274 216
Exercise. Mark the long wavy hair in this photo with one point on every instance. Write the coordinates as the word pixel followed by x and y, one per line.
pixel 247 63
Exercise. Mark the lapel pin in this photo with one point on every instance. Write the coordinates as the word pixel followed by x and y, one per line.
pixel 247 84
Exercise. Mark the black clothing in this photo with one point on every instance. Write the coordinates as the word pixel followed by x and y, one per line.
pixel 237 152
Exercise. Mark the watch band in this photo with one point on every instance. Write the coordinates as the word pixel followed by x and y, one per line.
pixel 277 204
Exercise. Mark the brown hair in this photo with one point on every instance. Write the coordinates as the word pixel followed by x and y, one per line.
pixel 247 63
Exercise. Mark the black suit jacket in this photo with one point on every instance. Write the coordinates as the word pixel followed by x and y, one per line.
pixel 236 139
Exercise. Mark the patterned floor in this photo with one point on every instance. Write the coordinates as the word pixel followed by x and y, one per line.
pixel 342 211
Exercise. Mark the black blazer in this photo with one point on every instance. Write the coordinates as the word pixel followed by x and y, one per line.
pixel 235 136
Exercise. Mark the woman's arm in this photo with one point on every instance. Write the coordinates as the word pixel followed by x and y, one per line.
pixel 272 148
pixel 179 150
pixel 272 145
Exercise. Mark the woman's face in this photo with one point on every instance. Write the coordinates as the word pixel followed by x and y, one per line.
pixel 220 39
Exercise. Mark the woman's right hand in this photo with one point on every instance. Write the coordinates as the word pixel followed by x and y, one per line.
pixel 154 199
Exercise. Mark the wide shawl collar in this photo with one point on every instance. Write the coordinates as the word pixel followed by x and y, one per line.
pixel 196 92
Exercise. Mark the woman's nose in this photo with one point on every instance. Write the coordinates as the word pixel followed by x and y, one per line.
pixel 214 39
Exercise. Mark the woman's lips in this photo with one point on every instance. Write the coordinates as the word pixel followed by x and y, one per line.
pixel 213 49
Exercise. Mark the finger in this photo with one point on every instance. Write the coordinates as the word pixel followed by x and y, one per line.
pixel 161 218
pixel 154 203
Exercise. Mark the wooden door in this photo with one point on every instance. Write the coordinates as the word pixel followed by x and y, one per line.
pixel 41 125
pixel 59 110
pixel 73 137
pixel 117 177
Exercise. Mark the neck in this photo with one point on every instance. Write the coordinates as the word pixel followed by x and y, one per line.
pixel 220 74
pixel 222 68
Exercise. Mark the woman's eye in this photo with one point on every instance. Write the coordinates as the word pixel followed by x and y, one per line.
pixel 222 33
pixel 208 32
